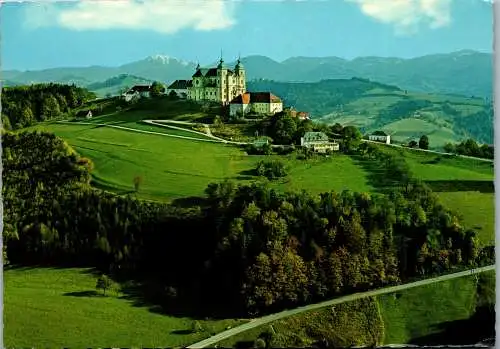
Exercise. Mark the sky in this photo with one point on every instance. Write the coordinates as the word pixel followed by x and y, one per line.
pixel 47 34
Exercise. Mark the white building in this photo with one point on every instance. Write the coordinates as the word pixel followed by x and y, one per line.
pixel 136 92
pixel 380 136
pixel 256 102
pixel 318 142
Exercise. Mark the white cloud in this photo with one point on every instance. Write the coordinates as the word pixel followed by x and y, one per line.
pixel 408 15
pixel 163 16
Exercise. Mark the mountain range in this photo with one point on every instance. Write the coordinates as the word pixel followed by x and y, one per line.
pixel 464 72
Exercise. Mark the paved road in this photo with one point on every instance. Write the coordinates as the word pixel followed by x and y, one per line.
pixel 430 151
pixel 208 133
pixel 273 317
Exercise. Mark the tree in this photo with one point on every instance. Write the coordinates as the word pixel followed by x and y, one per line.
pixel 412 144
pixel 103 283
pixel 449 148
pixel 350 137
pixel 196 327
pixel 337 128
pixel 423 143
pixel 173 95
pixel 157 89
pixel 50 108
pixel 6 122
pixel 259 343
pixel 137 182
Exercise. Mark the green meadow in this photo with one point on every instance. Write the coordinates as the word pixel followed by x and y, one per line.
pixel 56 308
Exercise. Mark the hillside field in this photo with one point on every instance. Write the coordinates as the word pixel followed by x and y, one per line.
pixel 51 308
pixel 434 310
pixel 174 168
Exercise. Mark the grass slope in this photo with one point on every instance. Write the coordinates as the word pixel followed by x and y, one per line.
pixel 59 308
pixel 418 312
pixel 463 185
pixel 173 168
pixel 405 317
pixel 354 323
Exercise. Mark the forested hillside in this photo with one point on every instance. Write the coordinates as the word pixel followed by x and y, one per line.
pixel 24 105
pixel 373 106
pixel 245 249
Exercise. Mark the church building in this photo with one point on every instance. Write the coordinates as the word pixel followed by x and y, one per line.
pixel 218 84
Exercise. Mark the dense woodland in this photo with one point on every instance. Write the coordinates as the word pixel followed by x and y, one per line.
pixel 22 106
pixel 248 248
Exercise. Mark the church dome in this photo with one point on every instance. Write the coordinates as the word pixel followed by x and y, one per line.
pixel 239 65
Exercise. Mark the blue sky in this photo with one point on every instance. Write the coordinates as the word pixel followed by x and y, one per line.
pixel 82 33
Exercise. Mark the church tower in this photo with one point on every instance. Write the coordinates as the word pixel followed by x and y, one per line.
pixel 221 81
pixel 241 84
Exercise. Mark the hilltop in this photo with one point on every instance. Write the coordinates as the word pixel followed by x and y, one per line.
pixel 466 72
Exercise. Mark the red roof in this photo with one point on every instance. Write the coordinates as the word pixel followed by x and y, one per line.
pixel 256 97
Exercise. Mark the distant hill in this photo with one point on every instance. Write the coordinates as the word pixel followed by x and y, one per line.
pixel 376 106
pixel 115 85
pixel 466 72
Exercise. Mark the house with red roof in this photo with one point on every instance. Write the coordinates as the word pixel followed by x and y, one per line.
pixel 255 102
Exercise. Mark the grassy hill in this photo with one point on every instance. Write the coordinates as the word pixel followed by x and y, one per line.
pixel 374 106
pixel 115 85
pixel 174 168
pixel 53 307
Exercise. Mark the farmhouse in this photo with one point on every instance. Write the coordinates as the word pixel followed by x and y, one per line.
pixel 137 91
pixel 255 102
pixel 218 84
pixel 180 87
pixel 302 115
pixel 380 136
pixel 318 142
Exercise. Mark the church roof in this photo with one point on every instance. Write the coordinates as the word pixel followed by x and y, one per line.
pixel 315 137
pixel 209 72
pixel 180 84
pixel 256 97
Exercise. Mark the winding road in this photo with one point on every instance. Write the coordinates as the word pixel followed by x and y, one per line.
pixel 273 317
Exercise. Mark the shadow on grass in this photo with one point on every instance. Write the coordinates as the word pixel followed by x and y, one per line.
pixel 478 327
pixel 152 296
pixel 90 293
pixel 461 185
pixel 190 201
pixel 181 332
pixel 246 175
pixel 376 175
pixel 244 345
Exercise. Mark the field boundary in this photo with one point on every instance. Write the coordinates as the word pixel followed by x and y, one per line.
pixel 143 131
pixel 286 313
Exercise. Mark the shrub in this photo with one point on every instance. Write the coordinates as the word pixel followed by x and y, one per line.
pixel 271 169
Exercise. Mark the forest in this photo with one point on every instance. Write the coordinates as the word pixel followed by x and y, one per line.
pixel 245 249
pixel 22 106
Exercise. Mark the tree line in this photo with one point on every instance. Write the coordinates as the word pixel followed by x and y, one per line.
pixel 23 106
pixel 470 147
pixel 246 248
